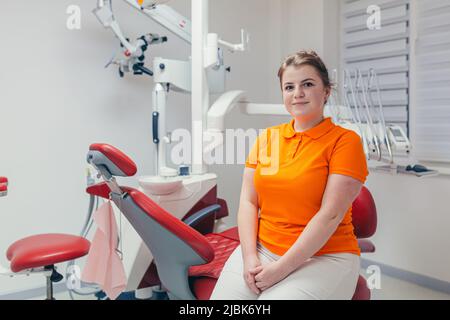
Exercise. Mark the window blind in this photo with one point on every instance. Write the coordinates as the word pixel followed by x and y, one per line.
pixel 385 49
pixel 432 81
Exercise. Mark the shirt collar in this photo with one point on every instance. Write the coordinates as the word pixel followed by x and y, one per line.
pixel 314 133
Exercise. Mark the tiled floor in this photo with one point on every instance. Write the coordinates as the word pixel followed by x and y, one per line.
pixel 391 289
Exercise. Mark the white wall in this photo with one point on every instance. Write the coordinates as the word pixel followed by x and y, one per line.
pixel 413 223
pixel 56 98
pixel 293 25
pixel 413 214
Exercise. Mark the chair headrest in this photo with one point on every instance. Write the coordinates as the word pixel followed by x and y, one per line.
pixel 110 160
pixel 364 214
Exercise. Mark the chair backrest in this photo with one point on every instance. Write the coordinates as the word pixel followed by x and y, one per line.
pixel 364 214
pixel 174 245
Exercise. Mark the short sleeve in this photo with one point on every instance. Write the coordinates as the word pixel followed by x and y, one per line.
pixel 252 159
pixel 255 152
pixel 348 157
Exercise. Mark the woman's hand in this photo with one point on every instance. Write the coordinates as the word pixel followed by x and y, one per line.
pixel 269 274
pixel 251 263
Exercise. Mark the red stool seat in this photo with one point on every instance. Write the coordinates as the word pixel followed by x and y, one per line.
pixel 45 249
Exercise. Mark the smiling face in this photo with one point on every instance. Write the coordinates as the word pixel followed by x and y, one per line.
pixel 304 93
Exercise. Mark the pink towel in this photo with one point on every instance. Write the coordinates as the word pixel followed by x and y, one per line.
pixel 104 266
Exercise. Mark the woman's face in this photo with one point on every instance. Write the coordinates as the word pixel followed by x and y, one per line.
pixel 304 93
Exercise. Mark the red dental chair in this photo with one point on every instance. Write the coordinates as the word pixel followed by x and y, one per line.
pixel 188 262
pixel 40 253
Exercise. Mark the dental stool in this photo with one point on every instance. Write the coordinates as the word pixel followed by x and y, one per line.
pixel 188 262
pixel 40 253
pixel 364 219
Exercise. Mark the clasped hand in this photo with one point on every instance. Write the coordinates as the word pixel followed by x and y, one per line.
pixel 267 275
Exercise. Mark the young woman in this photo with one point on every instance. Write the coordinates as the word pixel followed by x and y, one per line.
pixel 294 219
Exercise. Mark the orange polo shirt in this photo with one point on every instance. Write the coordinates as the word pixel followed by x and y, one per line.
pixel 291 174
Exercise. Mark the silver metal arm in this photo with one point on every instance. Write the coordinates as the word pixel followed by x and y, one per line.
pixel 362 91
pixel 348 90
pixel 166 17
pixel 105 15
pixel 373 84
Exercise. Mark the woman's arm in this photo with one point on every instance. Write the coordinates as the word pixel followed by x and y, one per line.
pixel 339 195
pixel 248 226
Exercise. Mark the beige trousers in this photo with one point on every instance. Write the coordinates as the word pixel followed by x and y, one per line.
pixel 329 276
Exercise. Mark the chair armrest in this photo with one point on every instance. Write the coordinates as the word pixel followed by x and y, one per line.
pixel 366 245
pixel 223 210
pixel 203 220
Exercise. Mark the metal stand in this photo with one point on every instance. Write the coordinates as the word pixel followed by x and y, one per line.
pixel 54 276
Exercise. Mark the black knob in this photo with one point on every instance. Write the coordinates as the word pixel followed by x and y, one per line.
pixel 162 66
pixel 145 41
pixel 56 276
pixel 228 69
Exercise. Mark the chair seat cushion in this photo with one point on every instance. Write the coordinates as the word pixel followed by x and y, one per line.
pixel 203 287
pixel 45 249
pixel 204 277
pixel 223 246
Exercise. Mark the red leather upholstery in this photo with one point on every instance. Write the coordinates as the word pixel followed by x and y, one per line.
pixel 100 190
pixel 202 287
pixel 196 240
pixel 232 233
pixel 3 185
pixel 362 292
pixel 366 246
pixel 364 214
pixel 204 277
pixel 44 250
pixel 223 212
pixel 120 159
pixel 223 247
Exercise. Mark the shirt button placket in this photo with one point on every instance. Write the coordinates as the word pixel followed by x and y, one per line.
pixel 297 146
